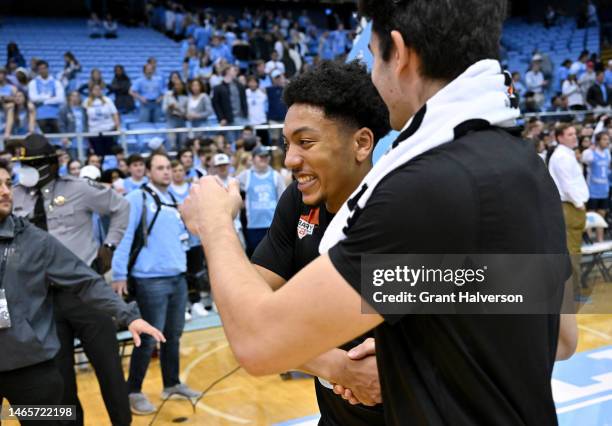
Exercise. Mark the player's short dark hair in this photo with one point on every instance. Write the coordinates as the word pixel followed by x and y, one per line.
pixel 183 151
pixel 134 158
pixel 41 62
pixel 344 91
pixel 448 36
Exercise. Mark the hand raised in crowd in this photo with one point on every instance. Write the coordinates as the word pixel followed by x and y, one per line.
pixel 360 382
pixel 140 326
pixel 209 203
pixel 120 287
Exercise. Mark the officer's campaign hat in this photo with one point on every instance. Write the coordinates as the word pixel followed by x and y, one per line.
pixel 35 147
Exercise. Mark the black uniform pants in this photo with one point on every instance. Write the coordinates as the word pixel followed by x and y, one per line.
pixel 39 384
pixel 98 336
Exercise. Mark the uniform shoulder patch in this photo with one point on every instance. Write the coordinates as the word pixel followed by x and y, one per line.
pixel 95 184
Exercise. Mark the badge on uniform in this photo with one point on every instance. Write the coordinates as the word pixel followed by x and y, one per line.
pixel 5 317
pixel 60 200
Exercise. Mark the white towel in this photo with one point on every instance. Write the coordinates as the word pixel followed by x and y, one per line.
pixel 482 92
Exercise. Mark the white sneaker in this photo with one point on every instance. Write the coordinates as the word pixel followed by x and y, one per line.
pixel 187 316
pixel 198 310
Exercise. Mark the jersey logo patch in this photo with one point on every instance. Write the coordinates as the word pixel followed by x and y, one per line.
pixel 307 223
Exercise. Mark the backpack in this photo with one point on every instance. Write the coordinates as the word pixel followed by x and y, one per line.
pixel 143 231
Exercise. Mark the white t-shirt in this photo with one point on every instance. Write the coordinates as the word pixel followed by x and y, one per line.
pixel 256 101
pixel 274 65
pixel 100 114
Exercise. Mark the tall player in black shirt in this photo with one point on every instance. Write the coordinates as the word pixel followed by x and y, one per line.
pixel 329 136
pixel 482 190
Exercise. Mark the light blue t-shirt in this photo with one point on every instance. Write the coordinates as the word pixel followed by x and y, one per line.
pixel 261 199
pixel 597 176
pixel 149 88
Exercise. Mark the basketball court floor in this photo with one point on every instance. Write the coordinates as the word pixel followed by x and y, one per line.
pixel 582 386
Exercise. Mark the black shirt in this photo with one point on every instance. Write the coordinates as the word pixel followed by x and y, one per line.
pixel 484 192
pixel 292 243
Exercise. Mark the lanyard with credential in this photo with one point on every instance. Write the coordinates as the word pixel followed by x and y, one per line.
pixel 5 247
pixel 5 317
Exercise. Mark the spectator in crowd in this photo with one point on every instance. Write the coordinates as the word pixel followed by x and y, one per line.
pixel 599 95
pixel 33 71
pixel 274 63
pixel 340 41
pixel 174 106
pixel 72 119
pixel 94 26
pixel 263 187
pixel 574 192
pixel 198 106
pixel 179 188
pixel 110 27
pixel 185 157
pixel 562 73
pixel 221 164
pixel 535 80
pixel 587 79
pixel 597 158
pixel 71 68
pixel 579 66
pixel 260 72
pixel 102 116
pixel 159 281
pixel 608 74
pixel 112 161
pixel 48 96
pixel 120 87
pixel 7 90
pixel 205 68
pixel 257 101
pixel 149 91
pixel 519 87
pixel 74 168
pixel 13 54
pixel 571 89
pixel 550 17
pixel 219 50
pixel 326 48
pixel 276 107
pixel 93 160
pixel 95 77
pixel 20 116
pixel 137 173
pixel 558 104
pixel 20 79
pixel 123 167
pixel 229 99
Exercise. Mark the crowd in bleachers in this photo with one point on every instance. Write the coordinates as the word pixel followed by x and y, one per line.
pixel 556 64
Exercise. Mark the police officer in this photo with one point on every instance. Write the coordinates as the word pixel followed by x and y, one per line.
pixel 63 206
pixel 31 263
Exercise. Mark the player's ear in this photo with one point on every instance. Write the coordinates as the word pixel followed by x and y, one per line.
pixel 364 144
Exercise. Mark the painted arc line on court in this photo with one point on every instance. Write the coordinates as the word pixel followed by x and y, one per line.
pixel 595 332
pixel 200 404
pixel 584 404
pixel 196 361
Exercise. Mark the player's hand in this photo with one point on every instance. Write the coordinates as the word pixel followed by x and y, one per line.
pixel 140 326
pixel 209 203
pixel 359 382
pixel 120 287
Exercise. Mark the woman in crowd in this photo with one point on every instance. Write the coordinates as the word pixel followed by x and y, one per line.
pixel 102 116
pixel 72 119
pixel 174 106
pixel 74 168
pixel 20 117
pixel 571 89
pixel 94 78
pixel 71 68
pixel 199 106
pixel 13 53
pixel 120 87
